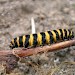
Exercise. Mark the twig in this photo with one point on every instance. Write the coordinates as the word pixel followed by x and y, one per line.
pixel 30 51
pixel 54 47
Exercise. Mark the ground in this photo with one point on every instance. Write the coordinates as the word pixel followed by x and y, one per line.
pixel 15 20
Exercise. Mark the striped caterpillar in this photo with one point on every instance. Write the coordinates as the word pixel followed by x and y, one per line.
pixel 42 38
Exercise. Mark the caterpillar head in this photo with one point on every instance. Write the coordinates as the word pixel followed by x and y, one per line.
pixel 12 45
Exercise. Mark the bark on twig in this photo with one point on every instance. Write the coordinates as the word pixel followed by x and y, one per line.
pixel 54 47
pixel 28 52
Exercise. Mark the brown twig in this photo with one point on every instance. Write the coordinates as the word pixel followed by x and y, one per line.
pixel 54 47
pixel 31 51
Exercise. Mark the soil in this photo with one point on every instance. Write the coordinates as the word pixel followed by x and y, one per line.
pixel 15 20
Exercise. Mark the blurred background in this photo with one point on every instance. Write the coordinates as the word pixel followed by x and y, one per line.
pixel 15 20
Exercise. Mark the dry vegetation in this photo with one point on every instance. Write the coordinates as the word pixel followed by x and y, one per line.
pixel 15 16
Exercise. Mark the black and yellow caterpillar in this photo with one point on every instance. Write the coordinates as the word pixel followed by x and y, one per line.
pixel 42 38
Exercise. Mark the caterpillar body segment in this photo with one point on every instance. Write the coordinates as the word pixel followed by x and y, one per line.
pixel 42 38
pixel 47 37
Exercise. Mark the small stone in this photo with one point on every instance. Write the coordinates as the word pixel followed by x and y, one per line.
pixel 42 17
pixel 66 10
pixel 2 70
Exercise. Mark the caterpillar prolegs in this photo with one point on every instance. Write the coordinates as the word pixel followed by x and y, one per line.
pixel 42 38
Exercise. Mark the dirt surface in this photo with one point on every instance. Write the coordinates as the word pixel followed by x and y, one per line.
pixel 15 20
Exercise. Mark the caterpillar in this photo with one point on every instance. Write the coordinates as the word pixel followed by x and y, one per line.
pixel 42 38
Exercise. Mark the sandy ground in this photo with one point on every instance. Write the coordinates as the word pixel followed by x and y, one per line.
pixel 15 20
